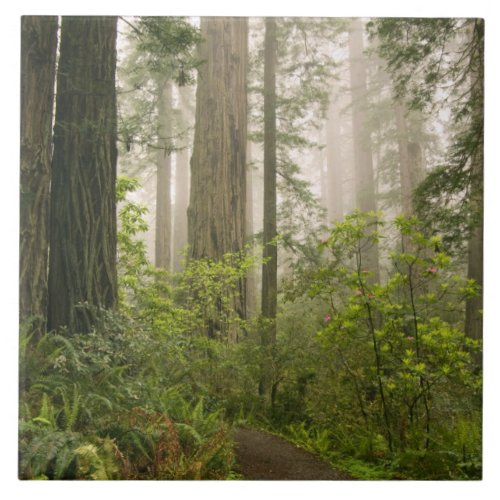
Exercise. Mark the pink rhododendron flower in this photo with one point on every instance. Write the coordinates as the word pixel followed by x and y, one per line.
pixel 359 292
pixel 410 337
pixel 432 269
pixel 328 318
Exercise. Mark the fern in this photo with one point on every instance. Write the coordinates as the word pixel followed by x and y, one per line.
pixel 197 414
pixel 47 412
pixel 189 434
pixel 97 462
pixel 71 407
pixel 47 452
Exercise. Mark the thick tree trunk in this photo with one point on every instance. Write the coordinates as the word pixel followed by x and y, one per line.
pixel 474 306
pixel 216 214
pixel 163 234
pixel 270 254
pixel 335 172
pixel 82 263
pixel 38 64
pixel 363 161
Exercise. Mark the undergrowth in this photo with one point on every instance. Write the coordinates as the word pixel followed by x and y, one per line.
pixel 152 391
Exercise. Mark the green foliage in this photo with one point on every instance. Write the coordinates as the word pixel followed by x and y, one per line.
pixel 395 365
pixel 46 452
pixel 155 447
pixel 375 377
pixel 143 395
pixel 312 439
pixel 50 453
pixel 99 461
pixel 208 289
pixel 196 301
pixel 157 50
pixel 415 48
pixel 104 413
pixel 132 258
pixel 304 73
pixel 169 43
pixel 360 469
pixel 423 55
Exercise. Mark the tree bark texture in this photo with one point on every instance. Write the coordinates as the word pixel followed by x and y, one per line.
pixel 270 253
pixel 363 161
pixel 216 214
pixel 82 263
pixel 163 234
pixel 38 63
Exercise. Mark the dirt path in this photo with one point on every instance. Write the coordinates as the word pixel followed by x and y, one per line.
pixel 260 455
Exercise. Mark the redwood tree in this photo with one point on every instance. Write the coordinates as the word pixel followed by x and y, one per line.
pixel 334 161
pixel 446 54
pixel 163 237
pixel 216 214
pixel 181 180
pixel 270 267
pixel 363 160
pixel 82 264
pixel 411 171
pixel 38 58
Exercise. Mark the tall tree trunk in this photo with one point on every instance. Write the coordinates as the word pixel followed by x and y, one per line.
pixel 163 236
pixel 181 206
pixel 270 254
pixel 363 161
pixel 181 184
pixel 216 214
pixel 319 164
pixel 82 261
pixel 335 172
pixel 474 306
pixel 38 64
pixel 411 171
pixel 251 282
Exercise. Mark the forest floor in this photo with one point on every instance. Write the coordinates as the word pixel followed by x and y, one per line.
pixel 261 455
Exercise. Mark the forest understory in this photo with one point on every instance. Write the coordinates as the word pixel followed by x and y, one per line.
pixel 251 248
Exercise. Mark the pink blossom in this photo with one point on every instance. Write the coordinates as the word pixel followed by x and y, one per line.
pixel 432 269
pixel 371 296
pixel 327 318
pixel 359 292
pixel 410 338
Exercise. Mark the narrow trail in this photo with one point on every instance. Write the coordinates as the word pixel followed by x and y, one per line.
pixel 260 455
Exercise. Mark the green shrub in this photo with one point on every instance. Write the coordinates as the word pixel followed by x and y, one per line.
pixel 392 370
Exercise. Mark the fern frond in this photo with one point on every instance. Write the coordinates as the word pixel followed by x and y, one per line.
pixel 71 407
pixel 186 430
pixel 47 411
